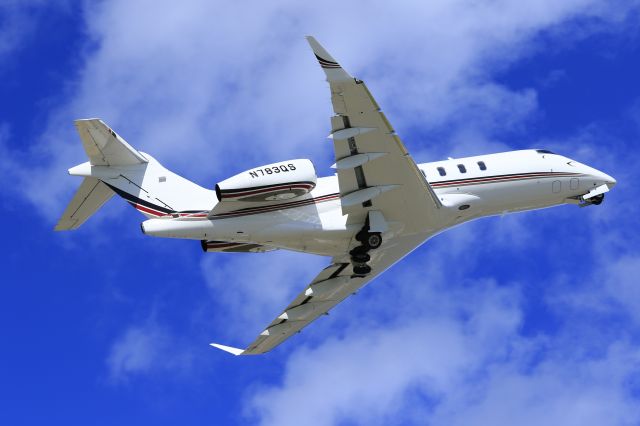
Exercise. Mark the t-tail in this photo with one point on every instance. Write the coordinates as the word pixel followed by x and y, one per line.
pixel 115 167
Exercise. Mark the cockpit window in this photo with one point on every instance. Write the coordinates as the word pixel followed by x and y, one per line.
pixel 544 151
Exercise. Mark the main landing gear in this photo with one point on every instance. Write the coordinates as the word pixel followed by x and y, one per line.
pixel 360 255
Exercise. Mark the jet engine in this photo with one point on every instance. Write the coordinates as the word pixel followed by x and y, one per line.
pixel 273 182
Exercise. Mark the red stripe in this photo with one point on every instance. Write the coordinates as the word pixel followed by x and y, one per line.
pixel 474 181
pixel 515 176
pixel 271 208
pixel 148 210
pixel 241 192
pixel 256 210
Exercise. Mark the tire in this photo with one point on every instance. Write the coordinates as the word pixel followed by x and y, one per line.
pixel 374 240
pixel 597 200
pixel 362 236
pixel 360 258
pixel 358 251
pixel 362 270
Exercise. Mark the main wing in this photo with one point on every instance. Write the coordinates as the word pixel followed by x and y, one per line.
pixel 378 180
pixel 375 171
pixel 330 287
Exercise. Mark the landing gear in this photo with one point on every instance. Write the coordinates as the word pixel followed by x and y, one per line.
pixel 362 269
pixel 597 200
pixel 360 255
pixel 374 240
pixel 371 240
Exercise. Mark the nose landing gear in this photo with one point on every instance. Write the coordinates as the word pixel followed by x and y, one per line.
pixel 597 200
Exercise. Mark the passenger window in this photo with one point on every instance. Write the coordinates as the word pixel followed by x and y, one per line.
pixel 482 165
pixel 462 168
pixel 441 171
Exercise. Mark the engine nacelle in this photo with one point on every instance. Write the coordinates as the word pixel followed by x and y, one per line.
pixel 273 182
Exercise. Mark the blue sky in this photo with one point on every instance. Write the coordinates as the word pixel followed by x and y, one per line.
pixel 524 319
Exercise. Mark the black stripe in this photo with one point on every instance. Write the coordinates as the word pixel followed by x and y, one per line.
pixel 339 270
pixel 534 174
pixel 325 61
pixel 133 199
pixel 274 207
pixel 255 188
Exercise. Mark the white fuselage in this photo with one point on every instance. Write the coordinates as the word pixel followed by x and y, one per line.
pixel 470 188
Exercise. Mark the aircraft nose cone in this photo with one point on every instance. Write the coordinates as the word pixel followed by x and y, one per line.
pixel 609 180
pixel 606 179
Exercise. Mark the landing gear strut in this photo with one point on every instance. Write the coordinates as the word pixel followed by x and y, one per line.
pixel 360 255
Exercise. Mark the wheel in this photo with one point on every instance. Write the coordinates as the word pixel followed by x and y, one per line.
pixel 362 235
pixel 358 251
pixel 360 257
pixel 597 200
pixel 361 270
pixel 374 240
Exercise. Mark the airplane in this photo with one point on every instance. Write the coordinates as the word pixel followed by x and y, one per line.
pixel 378 206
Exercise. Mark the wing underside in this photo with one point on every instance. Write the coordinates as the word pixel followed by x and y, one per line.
pixel 378 182
pixel 331 286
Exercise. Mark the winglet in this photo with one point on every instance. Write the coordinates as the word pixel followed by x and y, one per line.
pixel 330 66
pixel 234 351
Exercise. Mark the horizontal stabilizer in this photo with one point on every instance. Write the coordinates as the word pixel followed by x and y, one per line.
pixel 91 195
pixel 104 147
pixel 234 351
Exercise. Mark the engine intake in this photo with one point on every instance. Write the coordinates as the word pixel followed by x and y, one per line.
pixel 273 182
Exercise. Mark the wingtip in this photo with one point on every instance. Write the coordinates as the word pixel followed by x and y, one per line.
pixel 231 350
pixel 318 49
pixel 330 66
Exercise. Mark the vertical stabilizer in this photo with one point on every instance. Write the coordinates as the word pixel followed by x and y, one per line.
pixel 104 147
pixel 115 167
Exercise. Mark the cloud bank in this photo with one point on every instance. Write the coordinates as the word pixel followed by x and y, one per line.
pixel 235 89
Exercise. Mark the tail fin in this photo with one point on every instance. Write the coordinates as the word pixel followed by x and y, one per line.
pixel 104 147
pixel 114 166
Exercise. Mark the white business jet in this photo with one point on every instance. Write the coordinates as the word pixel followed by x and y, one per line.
pixel 378 207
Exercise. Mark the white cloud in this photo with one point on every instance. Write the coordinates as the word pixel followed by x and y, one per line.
pixel 463 362
pixel 231 89
pixel 136 351
pixel 252 289
pixel 216 82
pixel 144 348
pixel 454 354
pixel 19 19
